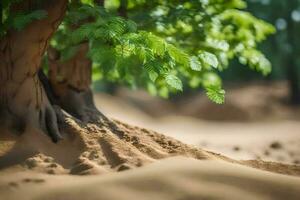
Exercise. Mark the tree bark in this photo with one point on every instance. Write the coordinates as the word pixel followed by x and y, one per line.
pixel 70 82
pixel 23 102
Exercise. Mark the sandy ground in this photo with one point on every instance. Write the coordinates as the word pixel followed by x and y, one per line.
pixel 175 178
pixel 126 162
pixel 273 135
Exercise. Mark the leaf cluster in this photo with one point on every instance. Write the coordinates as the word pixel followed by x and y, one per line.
pixel 162 45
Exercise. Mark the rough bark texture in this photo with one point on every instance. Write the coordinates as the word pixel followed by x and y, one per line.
pixel 70 82
pixel 23 102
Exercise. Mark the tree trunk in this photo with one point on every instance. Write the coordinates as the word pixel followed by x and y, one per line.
pixel 122 11
pixel 294 81
pixel 70 82
pixel 23 102
pixel 292 68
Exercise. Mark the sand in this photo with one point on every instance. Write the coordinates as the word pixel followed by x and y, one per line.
pixel 132 163
pixel 175 178
pixel 196 121
pixel 128 162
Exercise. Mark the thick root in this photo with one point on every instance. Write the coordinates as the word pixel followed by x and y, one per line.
pixel 81 106
pixel 69 83
pixel 25 108
pixel 50 125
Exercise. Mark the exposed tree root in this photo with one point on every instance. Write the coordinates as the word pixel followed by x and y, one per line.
pixel 69 87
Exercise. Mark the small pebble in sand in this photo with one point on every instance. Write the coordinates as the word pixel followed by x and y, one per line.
pixel 297 162
pixel 276 145
pixel 236 148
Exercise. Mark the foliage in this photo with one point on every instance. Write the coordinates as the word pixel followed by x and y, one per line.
pixel 160 44
pixel 17 20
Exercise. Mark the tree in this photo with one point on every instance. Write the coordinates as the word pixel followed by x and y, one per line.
pixel 152 44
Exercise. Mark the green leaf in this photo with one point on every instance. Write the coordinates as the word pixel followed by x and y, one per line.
pixel 163 92
pixel 21 20
pixel 211 79
pixel 153 75
pixel 178 55
pixel 216 94
pixel 152 89
pixel 131 26
pixel 82 33
pixel 195 64
pixel 209 58
pixel 218 44
pixel 156 44
pixel 174 81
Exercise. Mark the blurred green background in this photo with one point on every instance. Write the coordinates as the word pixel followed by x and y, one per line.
pixel 282 48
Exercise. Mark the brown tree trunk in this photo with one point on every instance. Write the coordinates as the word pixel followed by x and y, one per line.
pixel 23 102
pixel 70 80
pixel 70 83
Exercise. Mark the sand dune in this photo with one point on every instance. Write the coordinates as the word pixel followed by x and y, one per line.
pixel 34 168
